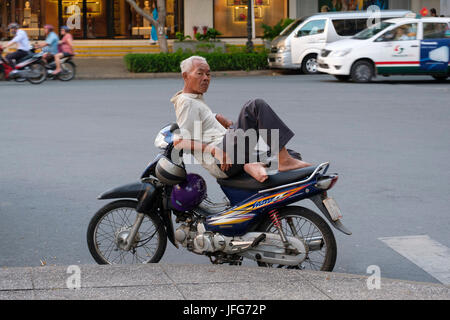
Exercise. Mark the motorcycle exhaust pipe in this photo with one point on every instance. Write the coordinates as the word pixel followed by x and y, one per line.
pixel 314 244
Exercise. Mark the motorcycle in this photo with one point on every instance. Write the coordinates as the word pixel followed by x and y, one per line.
pixel 30 68
pixel 68 69
pixel 255 221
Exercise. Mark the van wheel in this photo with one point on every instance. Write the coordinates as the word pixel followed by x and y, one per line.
pixel 362 71
pixel 309 64
pixel 342 78
pixel 440 78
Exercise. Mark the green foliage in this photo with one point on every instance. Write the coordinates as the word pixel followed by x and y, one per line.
pixel 211 34
pixel 272 32
pixel 181 37
pixel 218 61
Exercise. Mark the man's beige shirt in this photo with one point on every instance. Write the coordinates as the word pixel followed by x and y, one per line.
pixel 198 122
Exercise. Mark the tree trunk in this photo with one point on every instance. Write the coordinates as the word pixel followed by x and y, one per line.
pixel 158 24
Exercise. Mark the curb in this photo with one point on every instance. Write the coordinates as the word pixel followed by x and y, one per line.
pixel 202 282
pixel 164 75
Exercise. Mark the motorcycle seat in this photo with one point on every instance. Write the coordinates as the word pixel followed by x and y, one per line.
pixel 246 182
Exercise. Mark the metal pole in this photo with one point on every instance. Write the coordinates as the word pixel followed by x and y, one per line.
pixel 249 26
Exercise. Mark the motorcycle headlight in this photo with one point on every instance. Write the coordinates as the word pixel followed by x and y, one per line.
pixel 341 53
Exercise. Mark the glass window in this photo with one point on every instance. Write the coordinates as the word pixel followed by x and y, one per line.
pixel 230 16
pixel 312 28
pixel 292 26
pixel 403 33
pixel 349 27
pixel 373 30
pixel 434 30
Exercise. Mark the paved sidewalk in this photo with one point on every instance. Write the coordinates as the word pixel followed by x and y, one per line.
pixel 203 282
pixel 114 68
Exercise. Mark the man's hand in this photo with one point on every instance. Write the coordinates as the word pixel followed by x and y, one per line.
pixel 224 159
pixel 224 121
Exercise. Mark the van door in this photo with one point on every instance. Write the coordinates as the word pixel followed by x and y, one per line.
pixel 398 50
pixel 310 35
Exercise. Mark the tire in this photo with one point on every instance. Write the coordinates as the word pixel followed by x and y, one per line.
pixel 342 78
pixel 20 80
pixel 309 64
pixel 68 71
pixel 440 78
pixel 305 216
pixel 362 71
pixel 126 257
pixel 42 73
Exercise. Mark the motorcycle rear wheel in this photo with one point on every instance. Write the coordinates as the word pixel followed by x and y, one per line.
pixel 68 71
pixel 307 224
pixel 118 217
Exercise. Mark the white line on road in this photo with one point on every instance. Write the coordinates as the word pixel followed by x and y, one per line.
pixel 428 254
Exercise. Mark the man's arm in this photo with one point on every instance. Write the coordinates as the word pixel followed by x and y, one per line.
pixel 224 121
pixel 216 152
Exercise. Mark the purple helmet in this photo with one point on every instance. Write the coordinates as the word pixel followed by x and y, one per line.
pixel 188 194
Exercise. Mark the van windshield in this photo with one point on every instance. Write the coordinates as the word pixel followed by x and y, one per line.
pixel 292 26
pixel 373 30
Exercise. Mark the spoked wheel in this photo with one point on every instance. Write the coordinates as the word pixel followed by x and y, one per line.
pixel 112 224
pixel 40 72
pixel 68 71
pixel 308 226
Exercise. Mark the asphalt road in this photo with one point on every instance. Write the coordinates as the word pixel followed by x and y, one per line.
pixel 61 144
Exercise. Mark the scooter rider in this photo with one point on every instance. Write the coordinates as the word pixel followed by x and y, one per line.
pixel 50 45
pixel 21 39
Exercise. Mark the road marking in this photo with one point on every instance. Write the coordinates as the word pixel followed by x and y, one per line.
pixel 428 254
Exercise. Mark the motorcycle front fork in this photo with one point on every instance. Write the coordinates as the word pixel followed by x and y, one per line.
pixel 134 230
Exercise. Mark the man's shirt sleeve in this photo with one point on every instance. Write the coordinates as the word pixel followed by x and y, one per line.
pixel 189 121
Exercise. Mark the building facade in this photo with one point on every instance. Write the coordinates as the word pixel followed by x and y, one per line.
pixel 114 19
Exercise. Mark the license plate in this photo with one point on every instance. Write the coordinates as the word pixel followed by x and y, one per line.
pixel 332 208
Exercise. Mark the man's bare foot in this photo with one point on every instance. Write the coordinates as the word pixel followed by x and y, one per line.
pixel 287 163
pixel 292 164
pixel 257 170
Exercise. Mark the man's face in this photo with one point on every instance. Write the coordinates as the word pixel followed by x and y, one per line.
pixel 47 31
pixel 197 80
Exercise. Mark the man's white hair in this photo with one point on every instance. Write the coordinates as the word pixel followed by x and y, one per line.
pixel 187 64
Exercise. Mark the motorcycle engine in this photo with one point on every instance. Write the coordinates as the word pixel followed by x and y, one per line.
pixel 198 241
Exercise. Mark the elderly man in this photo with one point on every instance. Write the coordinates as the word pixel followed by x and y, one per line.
pixel 217 132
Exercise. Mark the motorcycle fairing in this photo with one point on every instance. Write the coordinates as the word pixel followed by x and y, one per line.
pixel 131 191
pixel 237 220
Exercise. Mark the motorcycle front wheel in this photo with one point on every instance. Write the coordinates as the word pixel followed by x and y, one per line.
pixel 308 226
pixel 112 223
pixel 41 73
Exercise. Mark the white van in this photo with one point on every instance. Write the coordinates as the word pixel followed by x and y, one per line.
pixel 408 46
pixel 298 46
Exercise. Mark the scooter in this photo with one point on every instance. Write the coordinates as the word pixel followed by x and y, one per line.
pixel 30 68
pixel 256 221
pixel 68 69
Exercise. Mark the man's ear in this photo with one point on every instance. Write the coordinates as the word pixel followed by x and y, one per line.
pixel 185 75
